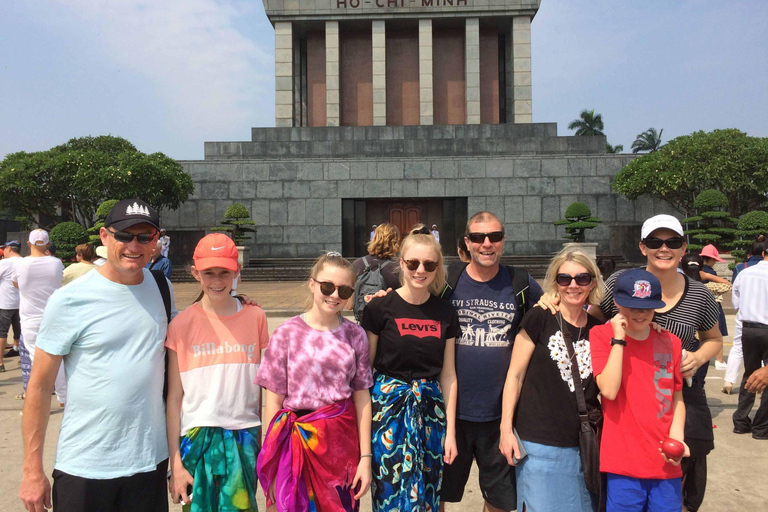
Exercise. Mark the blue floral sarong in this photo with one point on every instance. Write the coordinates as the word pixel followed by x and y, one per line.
pixel 223 464
pixel 408 432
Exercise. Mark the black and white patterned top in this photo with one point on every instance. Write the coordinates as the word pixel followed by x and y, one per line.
pixel 696 310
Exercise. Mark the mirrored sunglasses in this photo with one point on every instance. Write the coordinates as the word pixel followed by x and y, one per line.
pixel 479 238
pixel 327 288
pixel 582 279
pixel 125 237
pixel 429 266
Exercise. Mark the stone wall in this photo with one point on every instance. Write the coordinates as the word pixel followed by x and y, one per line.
pixel 296 202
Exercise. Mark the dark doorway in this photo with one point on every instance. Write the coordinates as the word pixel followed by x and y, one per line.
pixel 360 215
pixel 183 245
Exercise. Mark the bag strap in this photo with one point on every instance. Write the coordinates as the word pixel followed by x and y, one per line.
pixel 165 292
pixel 579 389
pixel 520 286
pixel 365 261
pixel 453 274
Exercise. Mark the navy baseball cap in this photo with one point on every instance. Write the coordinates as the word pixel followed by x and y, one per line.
pixel 638 289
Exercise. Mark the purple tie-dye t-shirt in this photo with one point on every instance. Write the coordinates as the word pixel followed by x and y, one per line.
pixel 315 368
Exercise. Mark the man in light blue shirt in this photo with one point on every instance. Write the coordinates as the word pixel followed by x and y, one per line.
pixel 109 328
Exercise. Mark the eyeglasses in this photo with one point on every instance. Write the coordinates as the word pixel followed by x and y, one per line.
pixel 429 266
pixel 656 243
pixel 327 288
pixel 126 238
pixel 479 238
pixel 582 279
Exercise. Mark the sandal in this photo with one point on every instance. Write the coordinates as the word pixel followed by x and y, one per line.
pixel 21 396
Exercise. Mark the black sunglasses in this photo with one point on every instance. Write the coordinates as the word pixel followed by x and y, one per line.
pixel 327 288
pixel 656 243
pixel 429 266
pixel 582 279
pixel 126 238
pixel 479 238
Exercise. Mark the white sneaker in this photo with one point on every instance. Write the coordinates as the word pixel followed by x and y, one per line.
pixel 720 366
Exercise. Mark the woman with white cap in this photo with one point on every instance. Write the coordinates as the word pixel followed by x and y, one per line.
pixel 691 313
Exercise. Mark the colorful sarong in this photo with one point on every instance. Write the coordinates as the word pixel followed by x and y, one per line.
pixel 408 437
pixel 312 460
pixel 223 464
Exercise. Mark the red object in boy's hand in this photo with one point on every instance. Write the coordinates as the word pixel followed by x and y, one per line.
pixel 672 448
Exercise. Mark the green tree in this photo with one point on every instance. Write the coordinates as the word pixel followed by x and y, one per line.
pixel 101 215
pixel 618 148
pixel 649 141
pixel 588 123
pixel 68 182
pixel 750 225
pixel 578 219
pixel 237 222
pixel 712 222
pixel 67 236
pixel 726 160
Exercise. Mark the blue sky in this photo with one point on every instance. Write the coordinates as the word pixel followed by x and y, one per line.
pixel 169 75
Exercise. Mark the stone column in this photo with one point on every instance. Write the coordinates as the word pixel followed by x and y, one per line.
pixel 283 74
pixel 426 110
pixel 333 111
pixel 521 69
pixel 472 69
pixel 379 45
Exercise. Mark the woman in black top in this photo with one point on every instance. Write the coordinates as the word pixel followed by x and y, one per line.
pixel 539 393
pixel 412 333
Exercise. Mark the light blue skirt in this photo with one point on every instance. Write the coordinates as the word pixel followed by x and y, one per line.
pixel 551 478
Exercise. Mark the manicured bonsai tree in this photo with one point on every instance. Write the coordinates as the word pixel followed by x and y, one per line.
pixel 578 219
pixel 101 215
pixel 750 225
pixel 67 236
pixel 237 222
pixel 713 224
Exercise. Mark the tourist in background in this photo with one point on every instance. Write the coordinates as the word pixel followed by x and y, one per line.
pixel 9 301
pixel 462 251
pixel 317 373
pixel 382 250
pixel 750 297
pixel 540 394
pixel 411 333
pixel 85 254
pixel 158 261
pixel 214 351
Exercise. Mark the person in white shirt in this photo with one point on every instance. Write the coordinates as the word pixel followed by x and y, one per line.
pixel 37 276
pixel 750 297
pixel 9 300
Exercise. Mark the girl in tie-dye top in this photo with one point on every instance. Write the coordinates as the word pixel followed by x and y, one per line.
pixel 317 374
pixel 214 350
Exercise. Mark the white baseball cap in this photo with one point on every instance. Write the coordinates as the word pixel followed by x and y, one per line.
pixel 39 237
pixel 661 222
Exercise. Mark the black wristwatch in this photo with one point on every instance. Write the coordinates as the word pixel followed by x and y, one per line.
pixel 614 341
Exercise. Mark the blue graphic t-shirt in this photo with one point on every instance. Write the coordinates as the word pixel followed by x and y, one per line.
pixel 489 322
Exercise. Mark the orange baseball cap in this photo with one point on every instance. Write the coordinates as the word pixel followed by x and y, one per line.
pixel 215 250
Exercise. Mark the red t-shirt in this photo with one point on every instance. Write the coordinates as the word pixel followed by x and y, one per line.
pixel 641 415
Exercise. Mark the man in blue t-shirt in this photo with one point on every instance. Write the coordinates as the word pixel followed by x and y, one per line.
pixel 109 329
pixel 486 302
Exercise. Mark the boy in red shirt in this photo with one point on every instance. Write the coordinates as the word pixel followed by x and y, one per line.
pixel 638 372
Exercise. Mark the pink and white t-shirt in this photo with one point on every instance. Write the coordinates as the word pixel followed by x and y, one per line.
pixel 315 368
pixel 218 361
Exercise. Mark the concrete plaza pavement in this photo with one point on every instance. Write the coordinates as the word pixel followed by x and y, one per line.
pixel 737 466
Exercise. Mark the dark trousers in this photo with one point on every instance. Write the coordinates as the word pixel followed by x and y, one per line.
pixel 143 492
pixel 754 343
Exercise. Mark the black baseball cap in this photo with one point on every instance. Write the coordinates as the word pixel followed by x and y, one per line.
pixel 130 212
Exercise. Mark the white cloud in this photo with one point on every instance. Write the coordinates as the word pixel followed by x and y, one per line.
pixel 209 75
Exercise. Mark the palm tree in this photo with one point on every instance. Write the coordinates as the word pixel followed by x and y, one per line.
pixel 618 148
pixel 588 123
pixel 649 141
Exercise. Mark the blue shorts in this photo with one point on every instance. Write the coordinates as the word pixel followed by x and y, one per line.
pixel 627 494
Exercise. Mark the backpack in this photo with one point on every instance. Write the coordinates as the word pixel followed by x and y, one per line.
pixel 367 283
pixel 519 283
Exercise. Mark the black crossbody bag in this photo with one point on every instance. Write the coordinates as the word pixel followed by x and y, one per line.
pixel 591 425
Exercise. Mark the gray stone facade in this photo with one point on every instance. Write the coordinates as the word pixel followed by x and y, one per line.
pixel 524 173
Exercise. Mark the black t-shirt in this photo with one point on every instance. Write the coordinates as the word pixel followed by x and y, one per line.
pixel 390 273
pixel 411 337
pixel 547 412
